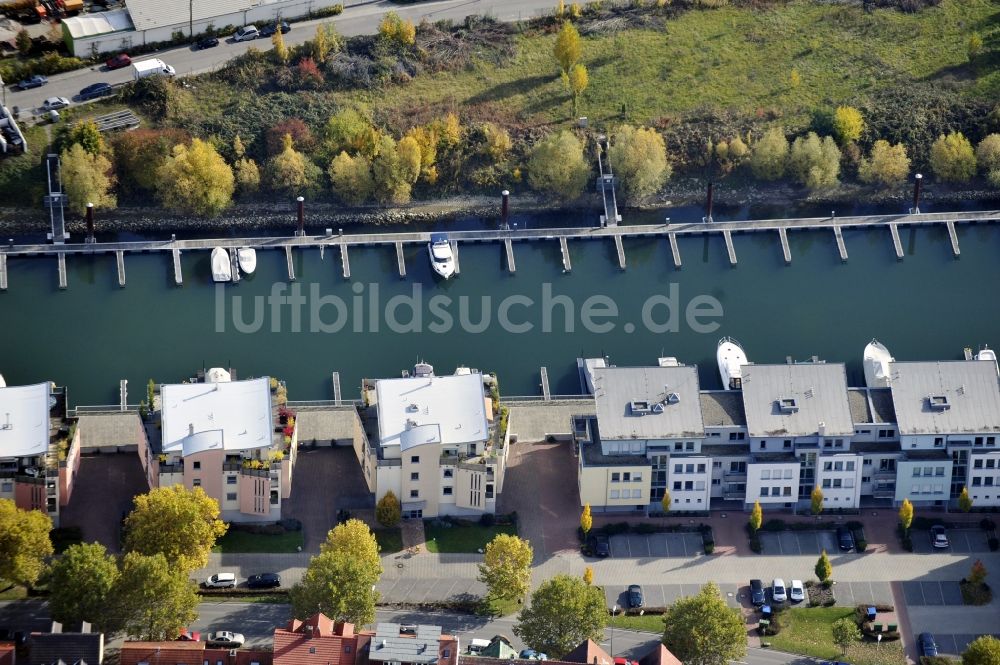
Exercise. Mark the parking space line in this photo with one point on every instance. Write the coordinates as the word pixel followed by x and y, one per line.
pixel 649 551
pixel 684 544
pixel 628 541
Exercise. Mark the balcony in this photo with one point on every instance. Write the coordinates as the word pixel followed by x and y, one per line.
pixel 884 473
pixel 731 495
pixel 734 475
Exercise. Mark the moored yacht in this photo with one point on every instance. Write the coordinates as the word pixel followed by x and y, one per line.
pixel 222 268
pixel 985 353
pixel 668 361
pixel 442 258
pixel 3 384
pixel 248 259
pixel 876 363
pixel 731 358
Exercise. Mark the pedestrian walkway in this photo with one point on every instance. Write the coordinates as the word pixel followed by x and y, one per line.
pixel 413 535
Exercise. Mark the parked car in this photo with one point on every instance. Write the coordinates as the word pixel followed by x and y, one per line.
pixel 531 654
pixel 757 593
pixel 269 29
pixel 599 545
pixel 264 581
pixel 221 581
pixel 225 639
pixel 118 61
pixel 796 592
pixel 189 636
pixel 95 90
pixel 778 593
pixel 844 539
pixel 634 595
pixel 928 647
pixel 55 103
pixel 207 42
pixel 939 537
pixel 619 660
pixel 36 81
pixel 246 33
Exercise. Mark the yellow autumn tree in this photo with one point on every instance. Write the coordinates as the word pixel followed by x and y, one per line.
pixel 196 179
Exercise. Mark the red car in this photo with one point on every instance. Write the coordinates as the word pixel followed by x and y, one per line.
pixel 189 636
pixel 119 61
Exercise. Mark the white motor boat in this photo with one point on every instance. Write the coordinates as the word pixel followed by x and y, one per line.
pixel 3 384
pixel 248 259
pixel 985 353
pixel 442 258
pixel 876 363
pixel 668 361
pixel 462 370
pixel 587 367
pixel 222 268
pixel 731 358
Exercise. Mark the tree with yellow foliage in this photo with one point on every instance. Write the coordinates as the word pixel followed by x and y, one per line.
pixel 196 179
pixel 568 48
pixel 87 179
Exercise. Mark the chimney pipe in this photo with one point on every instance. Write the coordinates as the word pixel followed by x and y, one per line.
pixel 917 179
pixel 505 209
pixel 90 223
pixel 302 217
pixel 708 204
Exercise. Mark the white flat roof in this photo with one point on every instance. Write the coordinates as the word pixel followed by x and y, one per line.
pixel 89 25
pixel 232 416
pixel 147 14
pixel 431 409
pixel 24 420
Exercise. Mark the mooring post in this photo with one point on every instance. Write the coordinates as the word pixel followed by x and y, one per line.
pixel 917 179
pixel 90 224
pixel 302 216
pixel 708 205
pixel 505 209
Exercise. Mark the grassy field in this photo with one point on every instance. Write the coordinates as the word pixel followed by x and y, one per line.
pixel 649 623
pixel 462 538
pixel 13 592
pixel 809 631
pixel 241 541
pixel 389 540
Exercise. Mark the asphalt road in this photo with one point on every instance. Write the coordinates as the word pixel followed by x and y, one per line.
pixel 360 20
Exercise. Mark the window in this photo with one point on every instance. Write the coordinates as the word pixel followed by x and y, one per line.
pixel 850 466
pixel 990 463
pixel 765 474
pixel 787 492
pixel 737 467
pixel 701 468
pixel 312 649
pixel 765 491
pixel 978 464
pixel 616 477
pixel 838 466
pixel 415 459
pixel 626 477
pixel 939 471
pixel 446 491
pixel 866 479
pixel 828 443
pixel 716 481
pixel 916 472
pixel 839 443
pixel 689 445
pixel 977 481
pixel 614 494
pixel 689 468
pixel 449 473
pixel 689 485
pixel 826 483
pixel 991 441
pixel 636 477
pixel 677 485
pixel 938 441
pixel 196 482
pixel 347 648
pixel 446 653
pixel 679 445
pixel 230 496
pixel 8 487
pixel 836 482
pixel 788 443
pixel 414 494
pixel 415 475
pixel 196 465
pixel 489 491
pixel 828 466
pixel 763 445
pixel 699 484
pixel 678 468
pixel 716 465
pixel 636 494
pixel 230 480
pixel 775 491
pixel 848 482
pixel 787 474
pixel 978 441
pixel 988 481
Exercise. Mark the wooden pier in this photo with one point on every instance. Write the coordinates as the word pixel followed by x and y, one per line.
pixel 345 261
pixel 675 250
pixel 564 250
pixel 953 236
pixel 546 393
pixel 620 249
pixel 841 247
pixel 400 260
pixel 3 272
pixel 785 249
pixel 336 387
pixel 290 263
pixel 178 275
pixel 62 271
pixel 123 395
pixel 729 247
pixel 454 253
pixel 120 260
pixel 234 265
pixel 896 243
pixel 509 248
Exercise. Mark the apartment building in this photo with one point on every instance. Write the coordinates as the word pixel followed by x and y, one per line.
pixel 791 428
pixel 227 438
pixel 433 442
pixel 39 448
pixel 396 644
pixel 317 640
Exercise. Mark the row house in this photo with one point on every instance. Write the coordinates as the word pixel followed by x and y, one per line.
pixel 39 448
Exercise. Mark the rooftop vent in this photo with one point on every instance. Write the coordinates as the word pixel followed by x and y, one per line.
pixel 639 408
pixel 787 405
pixel 658 407
pixel 7 424
pixel 673 398
pixel 938 402
pixel 412 407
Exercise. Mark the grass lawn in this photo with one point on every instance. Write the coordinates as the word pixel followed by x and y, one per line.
pixel 498 608
pixel 276 598
pixel 240 541
pixel 649 623
pixel 389 540
pixel 13 592
pixel 462 538
pixel 809 631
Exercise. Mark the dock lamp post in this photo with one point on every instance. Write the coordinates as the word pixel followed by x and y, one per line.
pixel 917 180
pixel 90 239
pixel 302 216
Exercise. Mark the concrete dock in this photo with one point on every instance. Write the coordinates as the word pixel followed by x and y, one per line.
pixel 336 387
pixel 896 242
pixel 120 260
pixel 620 248
pixel 564 250
pixel 785 249
pixel 62 271
pixel 345 261
pixel 953 236
pixel 546 393
pixel 509 248
pixel 178 275
pixel 400 260
pixel 290 263
pixel 3 272
pixel 675 250
pixel 454 253
pixel 729 247
pixel 841 247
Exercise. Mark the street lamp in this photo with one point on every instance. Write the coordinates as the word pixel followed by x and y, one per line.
pixel 614 613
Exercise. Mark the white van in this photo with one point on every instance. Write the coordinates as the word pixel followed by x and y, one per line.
pixel 477 646
pixel 246 33
pixel 221 581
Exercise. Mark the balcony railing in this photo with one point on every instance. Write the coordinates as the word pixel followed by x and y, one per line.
pixel 734 474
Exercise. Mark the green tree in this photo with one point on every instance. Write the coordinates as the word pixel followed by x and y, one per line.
pixel 887 165
pixel 246 174
pixel 738 151
pixel 568 49
pixel 497 140
pixel 848 124
pixel 984 650
pixel 86 134
pixel 814 162
pixel 974 47
pixel 977 576
pixel 348 130
pixel 577 81
pixel 952 158
pixel 756 516
pixel 340 581
pixel 506 567
pixel 351 178
pixel 964 500
pixel 87 179
pixel 586 519
pixel 769 156
pixel 823 569
pixel 152 598
pixel 557 166
pixel 988 153
pixel 564 611
pixel 845 633
pixel 278 41
pixel 666 501
pixel 388 512
pixel 23 41
pixel 196 180
pixel 81 581
pixel 906 515
pixel 409 158
pixel 391 175
pixel 24 543
pixel 179 523
pixel 639 158
pixel 816 500
pixel 290 172
pixel 703 630
pixel 239 151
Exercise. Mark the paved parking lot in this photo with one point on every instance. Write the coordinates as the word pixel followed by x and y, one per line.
pixel 664 595
pixel 798 542
pixel 850 594
pixel 656 545
pixel 417 590
pixel 932 593
pixel 964 541
pixel 953 644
